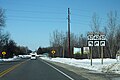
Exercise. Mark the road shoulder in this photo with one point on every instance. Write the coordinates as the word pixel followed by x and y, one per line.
pixel 91 75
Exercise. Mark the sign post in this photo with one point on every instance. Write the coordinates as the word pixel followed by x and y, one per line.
pixel 102 54
pixel 3 53
pixel 102 44
pixel 91 56
pixel 53 52
pixel 96 39
pixel 90 44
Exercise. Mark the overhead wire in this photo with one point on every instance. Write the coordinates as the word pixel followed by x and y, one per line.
pixel 31 20
pixel 33 11
pixel 34 17
pixel 44 19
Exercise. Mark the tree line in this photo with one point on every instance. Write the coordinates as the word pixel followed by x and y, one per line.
pixel 6 43
pixel 59 39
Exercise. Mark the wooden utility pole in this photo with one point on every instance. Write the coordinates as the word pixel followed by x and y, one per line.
pixel 69 53
pixel 63 52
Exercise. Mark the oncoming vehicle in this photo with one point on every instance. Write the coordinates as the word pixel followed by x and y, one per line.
pixel 33 57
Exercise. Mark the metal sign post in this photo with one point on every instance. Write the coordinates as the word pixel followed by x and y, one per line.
pixel 102 54
pixel 102 44
pixel 53 52
pixel 3 53
pixel 91 56
pixel 90 44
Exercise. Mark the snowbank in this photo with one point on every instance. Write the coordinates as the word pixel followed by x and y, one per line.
pixel 11 59
pixel 15 58
pixel 109 65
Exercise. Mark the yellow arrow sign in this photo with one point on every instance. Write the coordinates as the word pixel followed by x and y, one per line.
pixel 53 51
pixel 3 53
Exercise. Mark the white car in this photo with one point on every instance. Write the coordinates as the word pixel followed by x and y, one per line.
pixel 33 57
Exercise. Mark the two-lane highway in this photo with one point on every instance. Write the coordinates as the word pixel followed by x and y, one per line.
pixel 37 70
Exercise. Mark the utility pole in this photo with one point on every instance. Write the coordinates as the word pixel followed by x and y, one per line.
pixel 63 52
pixel 69 54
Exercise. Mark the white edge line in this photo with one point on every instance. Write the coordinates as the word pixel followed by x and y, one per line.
pixel 59 70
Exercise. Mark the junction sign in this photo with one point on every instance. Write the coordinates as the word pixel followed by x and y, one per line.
pixel 96 39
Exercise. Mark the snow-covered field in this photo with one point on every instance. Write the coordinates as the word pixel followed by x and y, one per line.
pixel 109 65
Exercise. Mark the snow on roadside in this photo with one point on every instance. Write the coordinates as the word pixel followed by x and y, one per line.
pixel 15 58
pixel 109 65
pixel 10 59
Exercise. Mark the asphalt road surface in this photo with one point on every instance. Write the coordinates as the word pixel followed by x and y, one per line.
pixel 35 70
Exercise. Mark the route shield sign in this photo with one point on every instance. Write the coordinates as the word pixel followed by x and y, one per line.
pixel 90 43
pixel 96 43
pixel 102 43
pixel 96 39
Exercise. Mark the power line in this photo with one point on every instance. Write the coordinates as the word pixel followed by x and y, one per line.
pixel 31 20
pixel 45 19
pixel 79 15
pixel 34 17
pixel 34 11
pixel 49 12
pixel 35 4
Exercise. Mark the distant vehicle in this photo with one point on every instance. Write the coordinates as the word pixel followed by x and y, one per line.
pixel 33 57
pixel 24 56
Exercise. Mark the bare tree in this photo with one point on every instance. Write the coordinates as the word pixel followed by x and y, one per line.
pixel 2 18
pixel 117 38
pixel 111 29
pixel 57 41
pixel 95 26
pixel 3 37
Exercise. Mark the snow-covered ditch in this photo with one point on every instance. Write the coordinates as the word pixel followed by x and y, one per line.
pixel 109 65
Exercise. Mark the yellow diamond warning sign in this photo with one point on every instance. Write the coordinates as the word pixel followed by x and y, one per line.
pixel 3 53
pixel 53 51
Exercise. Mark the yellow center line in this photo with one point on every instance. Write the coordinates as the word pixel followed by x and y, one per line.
pixel 11 68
